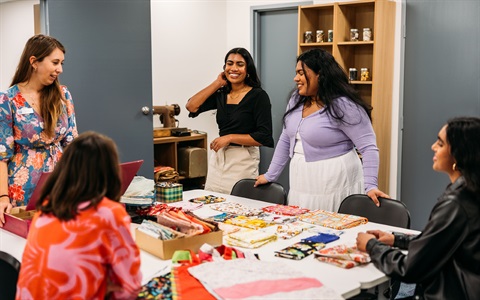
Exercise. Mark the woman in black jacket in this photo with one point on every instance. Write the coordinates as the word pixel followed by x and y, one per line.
pixel 444 260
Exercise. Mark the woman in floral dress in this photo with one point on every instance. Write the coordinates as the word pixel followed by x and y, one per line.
pixel 37 120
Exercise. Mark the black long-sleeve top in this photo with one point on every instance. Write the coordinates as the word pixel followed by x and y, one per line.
pixel 253 115
pixel 445 258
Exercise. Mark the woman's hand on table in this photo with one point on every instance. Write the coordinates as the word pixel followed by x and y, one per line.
pixel 384 237
pixel 260 180
pixel 362 240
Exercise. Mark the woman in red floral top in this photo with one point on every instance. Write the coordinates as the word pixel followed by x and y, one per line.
pixel 79 245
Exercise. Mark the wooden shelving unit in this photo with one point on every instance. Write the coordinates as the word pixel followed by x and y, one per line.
pixel 165 151
pixel 376 55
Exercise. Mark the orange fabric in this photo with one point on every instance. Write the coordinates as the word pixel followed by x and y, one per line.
pixel 78 258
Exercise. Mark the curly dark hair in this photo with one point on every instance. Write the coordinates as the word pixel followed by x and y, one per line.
pixel 332 83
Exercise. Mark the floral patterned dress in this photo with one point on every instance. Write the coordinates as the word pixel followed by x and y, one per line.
pixel 25 146
pixel 76 259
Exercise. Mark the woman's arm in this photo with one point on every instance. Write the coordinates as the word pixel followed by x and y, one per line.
pixel 199 98
pixel 72 131
pixel 5 205
pixel 430 251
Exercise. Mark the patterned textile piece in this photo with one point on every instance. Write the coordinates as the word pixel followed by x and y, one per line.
pixel 158 288
pixel 254 279
pixel 248 222
pixel 250 238
pixel 186 206
pixel 343 256
pixel 236 208
pixel 286 210
pixel 208 199
pixel 332 219
pixel 287 231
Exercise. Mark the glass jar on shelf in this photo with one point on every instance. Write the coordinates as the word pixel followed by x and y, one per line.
pixel 330 35
pixel 308 37
pixel 319 36
pixel 364 74
pixel 352 74
pixel 354 35
pixel 367 34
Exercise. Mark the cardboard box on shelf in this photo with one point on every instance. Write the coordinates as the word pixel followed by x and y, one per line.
pixel 18 221
pixel 165 249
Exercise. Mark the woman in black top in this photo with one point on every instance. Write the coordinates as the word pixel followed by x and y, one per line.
pixel 244 119
pixel 444 259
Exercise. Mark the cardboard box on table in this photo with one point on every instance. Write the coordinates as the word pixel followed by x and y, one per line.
pixel 165 249
pixel 18 220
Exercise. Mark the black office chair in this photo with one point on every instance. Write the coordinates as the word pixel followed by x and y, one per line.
pixel 272 192
pixel 9 269
pixel 391 212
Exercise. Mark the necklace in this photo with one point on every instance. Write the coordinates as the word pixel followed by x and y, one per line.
pixel 238 94
pixel 31 97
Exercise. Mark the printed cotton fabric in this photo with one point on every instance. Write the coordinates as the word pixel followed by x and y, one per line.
pixel 78 258
pixel 332 219
pixel 343 256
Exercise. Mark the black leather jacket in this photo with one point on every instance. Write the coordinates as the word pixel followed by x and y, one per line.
pixel 445 258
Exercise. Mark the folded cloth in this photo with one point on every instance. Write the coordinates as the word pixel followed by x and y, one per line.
pixel 342 256
pixel 236 208
pixel 332 219
pixel 286 210
pixel 250 238
pixel 248 222
pixel 321 238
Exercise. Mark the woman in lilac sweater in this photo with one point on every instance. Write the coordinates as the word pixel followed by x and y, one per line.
pixel 326 122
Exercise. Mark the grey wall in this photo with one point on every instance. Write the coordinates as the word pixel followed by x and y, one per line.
pixel 108 69
pixel 441 80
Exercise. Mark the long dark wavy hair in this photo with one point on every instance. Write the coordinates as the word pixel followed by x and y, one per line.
pixel 332 83
pixel 41 46
pixel 252 78
pixel 463 136
pixel 87 171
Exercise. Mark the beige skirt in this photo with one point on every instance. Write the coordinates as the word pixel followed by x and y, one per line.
pixel 325 183
pixel 229 165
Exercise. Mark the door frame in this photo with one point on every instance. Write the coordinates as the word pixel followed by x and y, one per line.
pixel 255 12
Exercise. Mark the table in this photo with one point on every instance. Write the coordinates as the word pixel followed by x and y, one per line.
pixel 347 282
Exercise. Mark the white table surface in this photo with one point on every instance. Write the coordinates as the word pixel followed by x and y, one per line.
pixel 347 282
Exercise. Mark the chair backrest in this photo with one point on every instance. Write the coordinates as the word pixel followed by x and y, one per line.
pixel 9 269
pixel 272 192
pixel 391 212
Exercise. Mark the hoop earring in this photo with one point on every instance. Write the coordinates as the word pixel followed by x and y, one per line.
pixel 454 166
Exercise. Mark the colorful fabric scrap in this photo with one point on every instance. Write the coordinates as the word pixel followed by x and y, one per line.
pixel 332 219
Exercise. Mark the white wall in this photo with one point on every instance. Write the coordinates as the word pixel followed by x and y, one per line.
pixel 189 41
pixel 16 27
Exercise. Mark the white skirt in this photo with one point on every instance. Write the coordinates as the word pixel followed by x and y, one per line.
pixel 325 183
pixel 229 165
